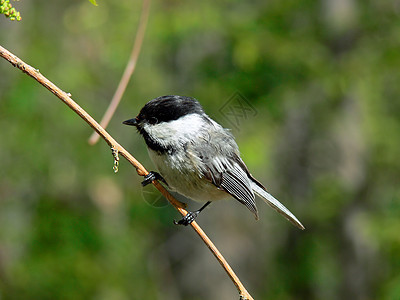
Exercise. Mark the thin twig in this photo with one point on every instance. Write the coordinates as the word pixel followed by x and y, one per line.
pixel 65 97
pixel 129 69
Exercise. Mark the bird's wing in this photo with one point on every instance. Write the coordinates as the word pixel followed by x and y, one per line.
pixel 228 175
pixel 217 154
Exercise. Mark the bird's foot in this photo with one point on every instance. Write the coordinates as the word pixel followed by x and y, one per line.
pixel 189 218
pixel 149 178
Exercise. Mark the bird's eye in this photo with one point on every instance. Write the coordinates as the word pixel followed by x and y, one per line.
pixel 153 120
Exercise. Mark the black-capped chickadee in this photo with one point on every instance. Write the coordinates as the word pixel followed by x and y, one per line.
pixel 197 157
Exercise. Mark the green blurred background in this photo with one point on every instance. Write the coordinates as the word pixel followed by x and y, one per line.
pixel 323 77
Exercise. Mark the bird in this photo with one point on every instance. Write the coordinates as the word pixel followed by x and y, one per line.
pixel 197 157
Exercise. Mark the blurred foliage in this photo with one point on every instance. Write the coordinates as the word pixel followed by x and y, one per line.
pixel 323 77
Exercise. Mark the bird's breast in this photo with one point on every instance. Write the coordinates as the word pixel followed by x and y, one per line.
pixel 183 176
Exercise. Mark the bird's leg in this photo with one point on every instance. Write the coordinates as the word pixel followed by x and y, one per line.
pixel 149 178
pixel 190 216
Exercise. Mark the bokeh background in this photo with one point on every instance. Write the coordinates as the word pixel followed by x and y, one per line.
pixel 323 79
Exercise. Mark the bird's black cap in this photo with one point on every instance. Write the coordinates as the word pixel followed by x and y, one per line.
pixel 168 108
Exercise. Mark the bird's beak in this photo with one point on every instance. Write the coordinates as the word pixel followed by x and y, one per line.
pixel 131 122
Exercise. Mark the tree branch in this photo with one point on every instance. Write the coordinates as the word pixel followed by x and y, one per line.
pixel 129 69
pixel 65 97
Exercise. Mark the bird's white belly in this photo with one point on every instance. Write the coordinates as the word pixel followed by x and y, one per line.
pixel 183 178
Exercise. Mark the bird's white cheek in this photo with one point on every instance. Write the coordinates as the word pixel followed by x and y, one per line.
pixel 184 127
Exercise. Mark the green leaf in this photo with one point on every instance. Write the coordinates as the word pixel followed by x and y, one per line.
pixel 93 2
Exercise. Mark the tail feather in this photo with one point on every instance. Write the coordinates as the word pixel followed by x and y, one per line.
pixel 275 204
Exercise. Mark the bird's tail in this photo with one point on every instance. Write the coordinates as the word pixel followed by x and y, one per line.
pixel 275 204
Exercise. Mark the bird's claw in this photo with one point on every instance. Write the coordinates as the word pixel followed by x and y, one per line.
pixel 188 219
pixel 149 178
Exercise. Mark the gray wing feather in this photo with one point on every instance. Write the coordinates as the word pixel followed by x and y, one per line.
pixel 221 164
pixel 236 183
pixel 227 171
